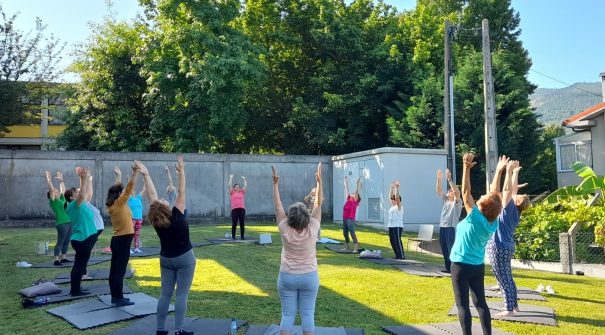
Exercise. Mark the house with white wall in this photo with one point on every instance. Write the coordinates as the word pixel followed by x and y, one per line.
pixel 586 143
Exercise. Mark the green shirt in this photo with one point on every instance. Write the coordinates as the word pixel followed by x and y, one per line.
pixel 58 207
pixel 82 221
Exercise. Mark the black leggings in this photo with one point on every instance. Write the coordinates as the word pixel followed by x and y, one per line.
pixel 395 237
pixel 465 276
pixel 238 214
pixel 120 254
pixel 82 249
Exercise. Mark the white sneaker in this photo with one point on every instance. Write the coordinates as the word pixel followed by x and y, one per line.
pixel 23 264
pixel 138 250
pixel 549 290
pixel 131 251
pixel 540 288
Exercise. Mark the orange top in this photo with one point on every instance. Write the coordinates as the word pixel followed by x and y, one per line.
pixel 121 217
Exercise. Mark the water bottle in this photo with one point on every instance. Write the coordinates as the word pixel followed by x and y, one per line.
pixel 41 300
pixel 233 327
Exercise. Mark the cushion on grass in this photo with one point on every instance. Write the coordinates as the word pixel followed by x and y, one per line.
pixel 40 289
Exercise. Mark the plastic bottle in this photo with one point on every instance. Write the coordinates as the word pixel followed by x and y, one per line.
pixel 233 327
pixel 41 300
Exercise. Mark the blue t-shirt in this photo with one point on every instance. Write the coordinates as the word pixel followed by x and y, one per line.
pixel 508 221
pixel 472 235
pixel 135 203
pixel 82 221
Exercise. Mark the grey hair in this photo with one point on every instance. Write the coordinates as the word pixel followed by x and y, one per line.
pixel 298 216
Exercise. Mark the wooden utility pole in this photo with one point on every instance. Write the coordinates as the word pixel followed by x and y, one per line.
pixel 491 138
pixel 448 101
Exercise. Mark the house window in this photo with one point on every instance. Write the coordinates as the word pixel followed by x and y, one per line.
pixel 570 153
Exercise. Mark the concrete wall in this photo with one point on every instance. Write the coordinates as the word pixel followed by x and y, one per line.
pixel 23 185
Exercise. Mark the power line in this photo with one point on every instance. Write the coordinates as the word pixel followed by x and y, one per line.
pixel 564 83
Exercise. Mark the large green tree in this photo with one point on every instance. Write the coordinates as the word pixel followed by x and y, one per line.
pixel 107 109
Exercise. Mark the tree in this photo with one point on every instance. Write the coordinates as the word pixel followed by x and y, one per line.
pixel 24 58
pixel 107 108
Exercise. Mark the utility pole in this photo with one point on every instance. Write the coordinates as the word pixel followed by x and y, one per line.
pixel 448 100
pixel 44 124
pixel 489 103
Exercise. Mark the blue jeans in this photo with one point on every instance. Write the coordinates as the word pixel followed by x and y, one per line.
pixel 298 292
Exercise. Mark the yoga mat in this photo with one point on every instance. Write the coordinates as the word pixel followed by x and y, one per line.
pixel 96 274
pixel 450 328
pixel 212 326
pixel 200 244
pixel 528 314
pixel 222 240
pixel 392 261
pixel 93 290
pixel 425 270
pixel 521 294
pixel 93 313
pixel 274 330
pixel 325 240
pixel 50 264
pixel 337 248
pixel 147 325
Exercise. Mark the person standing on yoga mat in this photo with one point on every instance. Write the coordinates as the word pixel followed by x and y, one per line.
pixel 56 200
pixel 177 260
pixel 298 280
pixel 123 232
pixel 450 215
pixel 501 247
pixel 348 214
pixel 135 203
pixel 238 210
pixel 84 232
pixel 395 220
pixel 468 252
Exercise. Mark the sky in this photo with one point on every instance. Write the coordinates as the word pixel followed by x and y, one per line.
pixel 563 37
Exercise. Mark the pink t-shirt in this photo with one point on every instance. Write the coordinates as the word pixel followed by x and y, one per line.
pixel 237 199
pixel 350 208
pixel 298 249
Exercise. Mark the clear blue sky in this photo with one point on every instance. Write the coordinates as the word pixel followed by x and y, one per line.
pixel 563 37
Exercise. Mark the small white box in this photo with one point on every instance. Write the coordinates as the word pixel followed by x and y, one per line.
pixel 264 239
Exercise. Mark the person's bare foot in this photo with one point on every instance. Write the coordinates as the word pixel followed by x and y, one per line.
pixel 506 313
pixel 516 309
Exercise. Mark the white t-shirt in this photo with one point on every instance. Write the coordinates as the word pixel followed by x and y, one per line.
pixel 99 224
pixel 395 218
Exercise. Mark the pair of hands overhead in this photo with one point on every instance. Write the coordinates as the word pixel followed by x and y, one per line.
pixel 138 166
pixel 448 174
pixel 276 177
pixel 504 162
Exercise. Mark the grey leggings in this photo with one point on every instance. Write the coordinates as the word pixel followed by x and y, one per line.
pixel 63 237
pixel 176 270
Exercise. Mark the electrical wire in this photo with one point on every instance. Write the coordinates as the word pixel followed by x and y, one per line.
pixel 564 83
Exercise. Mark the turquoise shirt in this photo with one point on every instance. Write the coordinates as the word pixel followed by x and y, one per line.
pixel 82 221
pixel 472 235
pixel 135 203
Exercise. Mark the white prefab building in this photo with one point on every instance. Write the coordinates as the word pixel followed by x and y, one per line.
pixel 414 168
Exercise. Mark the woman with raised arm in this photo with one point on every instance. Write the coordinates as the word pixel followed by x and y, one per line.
pixel 123 232
pixel 348 214
pixel 84 232
pixel 501 247
pixel 135 203
pixel 177 260
pixel 298 281
pixel 468 252
pixel 99 224
pixel 238 209
pixel 450 215
pixel 56 200
pixel 395 220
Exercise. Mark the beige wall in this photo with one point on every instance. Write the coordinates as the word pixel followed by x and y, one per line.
pixel 598 145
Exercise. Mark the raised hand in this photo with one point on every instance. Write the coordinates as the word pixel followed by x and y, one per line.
pixel 439 174
pixel 448 174
pixel 318 173
pixel 80 171
pixel 47 173
pixel 141 168
pixel 180 164
pixel 397 183
pixel 116 170
pixel 502 163
pixel 274 175
pixel 59 176
pixel 468 160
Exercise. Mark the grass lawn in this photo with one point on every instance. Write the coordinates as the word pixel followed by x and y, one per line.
pixel 240 281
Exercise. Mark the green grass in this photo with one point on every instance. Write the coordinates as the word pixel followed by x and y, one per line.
pixel 240 281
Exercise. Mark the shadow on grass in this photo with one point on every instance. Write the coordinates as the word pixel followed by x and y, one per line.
pixel 583 321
